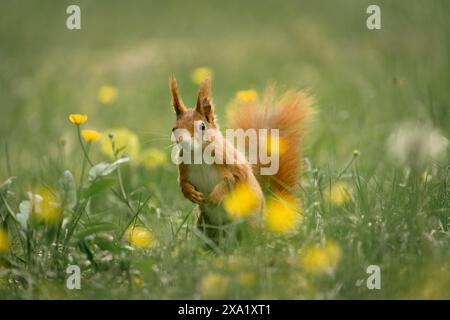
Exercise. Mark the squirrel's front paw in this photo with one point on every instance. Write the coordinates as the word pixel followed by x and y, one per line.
pixel 195 196
pixel 215 198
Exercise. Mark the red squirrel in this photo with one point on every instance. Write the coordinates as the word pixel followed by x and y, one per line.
pixel 206 184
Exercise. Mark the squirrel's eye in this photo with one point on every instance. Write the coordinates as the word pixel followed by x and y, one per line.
pixel 202 126
pixel 173 129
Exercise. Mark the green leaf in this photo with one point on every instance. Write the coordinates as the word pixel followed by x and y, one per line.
pixel 68 190
pixel 97 187
pixel 104 168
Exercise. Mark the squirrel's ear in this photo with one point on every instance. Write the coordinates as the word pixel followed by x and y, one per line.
pixel 204 105
pixel 177 103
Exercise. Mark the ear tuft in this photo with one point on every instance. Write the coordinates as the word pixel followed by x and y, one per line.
pixel 204 105
pixel 177 103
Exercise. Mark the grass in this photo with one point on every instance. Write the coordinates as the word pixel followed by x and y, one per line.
pixel 367 83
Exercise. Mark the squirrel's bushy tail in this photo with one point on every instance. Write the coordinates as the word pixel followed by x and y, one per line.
pixel 288 114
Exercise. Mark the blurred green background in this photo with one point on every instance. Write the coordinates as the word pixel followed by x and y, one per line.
pixel 366 82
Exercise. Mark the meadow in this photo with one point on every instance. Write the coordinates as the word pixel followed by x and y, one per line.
pixel 375 186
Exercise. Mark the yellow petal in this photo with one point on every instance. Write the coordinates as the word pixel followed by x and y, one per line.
pixel 241 201
pixel 281 214
pixel 90 135
pixel 320 259
pixel 78 118
pixel 140 237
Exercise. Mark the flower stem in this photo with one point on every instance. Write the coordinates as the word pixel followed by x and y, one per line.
pixel 83 166
pixel 82 147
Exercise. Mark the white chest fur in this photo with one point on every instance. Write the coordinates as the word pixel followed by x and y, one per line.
pixel 204 177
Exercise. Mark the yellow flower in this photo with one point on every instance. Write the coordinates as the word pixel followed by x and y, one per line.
pixel 140 237
pixel 4 241
pixel 45 206
pixel 152 158
pixel 214 286
pixel 107 94
pixel 281 214
pixel 279 145
pixel 241 201
pixel 246 279
pixel 320 259
pixel 78 118
pixel 123 138
pixel 338 193
pixel 200 74
pixel 90 135
pixel 247 95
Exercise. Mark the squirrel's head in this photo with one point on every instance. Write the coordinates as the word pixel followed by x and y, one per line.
pixel 196 124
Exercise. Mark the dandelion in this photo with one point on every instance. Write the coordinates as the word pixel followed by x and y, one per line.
pixel 4 241
pixel 140 237
pixel 107 94
pixel 214 286
pixel 338 193
pixel 241 201
pixel 321 259
pixel 200 74
pixel 90 135
pixel 45 206
pixel 281 214
pixel 124 139
pixel 247 95
pixel 152 158
pixel 78 118
pixel 414 145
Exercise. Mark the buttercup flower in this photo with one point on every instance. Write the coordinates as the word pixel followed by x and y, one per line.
pixel 140 237
pixel 152 158
pixel 4 241
pixel 214 286
pixel 107 94
pixel 320 259
pixel 281 214
pixel 90 135
pixel 123 138
pixel 241 201
pixel 200 74
pixel 78 118
pixel 338 193
pixel 247 95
